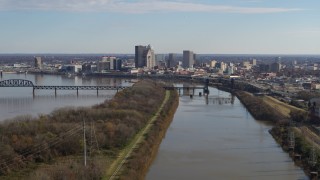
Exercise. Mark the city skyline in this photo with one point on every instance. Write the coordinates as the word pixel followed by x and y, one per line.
pixel 203 26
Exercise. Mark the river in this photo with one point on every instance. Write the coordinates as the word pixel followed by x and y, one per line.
pixel 206 140
pixel 219 141
pixel 20 101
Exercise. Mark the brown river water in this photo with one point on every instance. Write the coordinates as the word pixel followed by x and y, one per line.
pixel 206 139
pixel 212 140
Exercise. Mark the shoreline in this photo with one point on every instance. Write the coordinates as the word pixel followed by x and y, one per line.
pixel 279 132
pixel 139 162
pixel 168 121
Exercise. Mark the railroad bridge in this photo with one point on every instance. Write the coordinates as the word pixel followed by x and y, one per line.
pixel 16 83
pixel 28 83
pixel 189 89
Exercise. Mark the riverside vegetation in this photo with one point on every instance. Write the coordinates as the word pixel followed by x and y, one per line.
pixel 137 166
pixel 283 116
pixel 51 146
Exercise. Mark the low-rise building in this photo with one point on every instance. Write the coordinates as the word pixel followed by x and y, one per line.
pixel 315 86
pixel 71 68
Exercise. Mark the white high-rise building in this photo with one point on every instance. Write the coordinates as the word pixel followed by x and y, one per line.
pixel 150 58
pixel 213 63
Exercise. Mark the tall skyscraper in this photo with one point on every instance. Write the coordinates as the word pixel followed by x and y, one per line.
pixel 188 59
pixel 144 57
pixel 275 67
pixel 171 60
pixel 38 62
pixel 150 57
pixel 117 63
pixel 139 60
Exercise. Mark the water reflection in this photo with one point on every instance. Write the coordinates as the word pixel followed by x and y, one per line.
pixel 20 100
pixel 39 104
pixel 38 79
pixel 219 100
pixel 219 141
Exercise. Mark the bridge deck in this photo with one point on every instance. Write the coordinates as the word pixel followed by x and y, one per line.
pixel 80 87
pixel 181 87
pixel 28 83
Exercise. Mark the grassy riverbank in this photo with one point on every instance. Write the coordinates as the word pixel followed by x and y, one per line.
pixel 136 158
pixel 259 108
pixel 304 151
pixel 53 144
pixel 270 109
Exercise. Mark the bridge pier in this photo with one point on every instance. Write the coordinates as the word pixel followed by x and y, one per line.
pixel 55 91
pixel 33 91
pixel 97 91
pixel 207 99
pixel 77 91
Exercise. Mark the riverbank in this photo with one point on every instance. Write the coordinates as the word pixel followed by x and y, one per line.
pixel 109 126
pixel 301 151
pixel 259 108
pixel 137 157
pixel 293 140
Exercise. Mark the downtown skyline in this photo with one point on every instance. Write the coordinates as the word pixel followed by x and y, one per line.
pixel 203 26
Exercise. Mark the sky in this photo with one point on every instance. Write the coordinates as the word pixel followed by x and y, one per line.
pixel 170 26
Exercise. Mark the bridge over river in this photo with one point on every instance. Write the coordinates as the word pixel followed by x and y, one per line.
pixel 187 90
pixel 27 83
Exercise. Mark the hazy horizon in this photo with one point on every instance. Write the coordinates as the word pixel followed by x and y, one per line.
pixel 203 26
pixel 132 54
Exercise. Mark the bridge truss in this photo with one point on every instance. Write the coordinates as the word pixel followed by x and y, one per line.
pixel 16 83
pixel 28 83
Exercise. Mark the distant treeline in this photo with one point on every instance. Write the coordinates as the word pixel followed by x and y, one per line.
pixel 27 141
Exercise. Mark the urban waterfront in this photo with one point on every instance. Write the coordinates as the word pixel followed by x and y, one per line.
pixel 20 100
pixel 219 141
pixel 82 93
pixel 207 139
